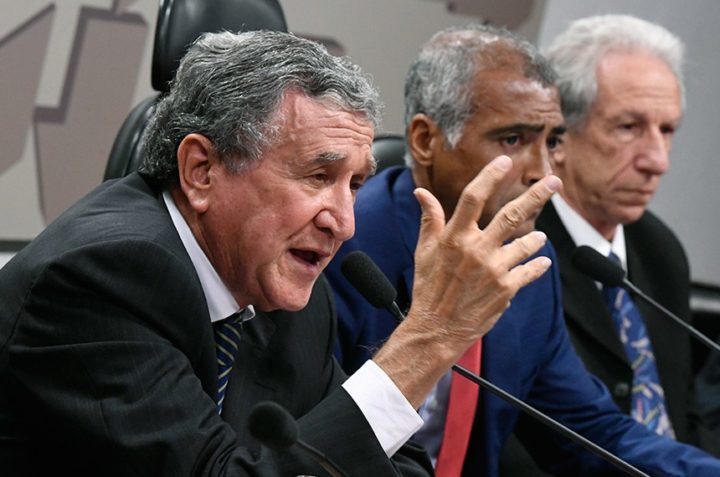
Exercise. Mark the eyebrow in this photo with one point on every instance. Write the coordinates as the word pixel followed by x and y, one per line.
pixel 523 127
pixel 330 157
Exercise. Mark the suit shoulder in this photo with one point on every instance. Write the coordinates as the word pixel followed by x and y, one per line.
pixel 375 196
pixel 653 237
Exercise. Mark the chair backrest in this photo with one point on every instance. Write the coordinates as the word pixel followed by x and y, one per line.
pixel 389 150
pixel 179 23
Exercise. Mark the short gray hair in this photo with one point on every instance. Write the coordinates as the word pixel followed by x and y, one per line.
pixel 439 82
pixel 576 52
pixel 229 88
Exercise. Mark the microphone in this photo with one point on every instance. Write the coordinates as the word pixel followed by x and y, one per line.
pixel 274 427
pixel 361 272
pixel 602 269
pixel 371 282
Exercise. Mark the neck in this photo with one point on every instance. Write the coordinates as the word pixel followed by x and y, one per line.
pixel 603 227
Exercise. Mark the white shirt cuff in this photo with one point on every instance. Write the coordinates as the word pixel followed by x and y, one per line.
pixel 391 417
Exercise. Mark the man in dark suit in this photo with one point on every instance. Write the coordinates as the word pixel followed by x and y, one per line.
pixel 472 94
pixel 115 349
pixel 620 82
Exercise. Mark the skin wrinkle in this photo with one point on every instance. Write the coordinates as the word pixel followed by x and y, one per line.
pixel 473 241
pixel 295 199
pixel 616 158
pixel 508 97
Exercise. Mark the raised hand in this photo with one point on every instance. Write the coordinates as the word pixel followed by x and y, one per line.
pixel 465 277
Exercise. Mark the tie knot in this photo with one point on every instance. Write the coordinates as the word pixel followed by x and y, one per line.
pixel 233 319
pixel 614 258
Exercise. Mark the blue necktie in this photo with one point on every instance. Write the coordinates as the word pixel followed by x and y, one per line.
pixel 227 339
pixel 648 399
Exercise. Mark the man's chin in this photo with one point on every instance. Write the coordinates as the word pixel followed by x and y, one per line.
pixel 629 215
pixel 295 300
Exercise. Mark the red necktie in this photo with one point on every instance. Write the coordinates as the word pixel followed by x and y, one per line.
pixel 460 416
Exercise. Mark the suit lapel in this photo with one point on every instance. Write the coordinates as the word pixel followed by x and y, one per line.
pixel 407 215
pixel 256 336
pixel 584 306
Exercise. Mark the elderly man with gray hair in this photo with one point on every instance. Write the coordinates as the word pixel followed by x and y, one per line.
pixel 140 329
pixel 621 87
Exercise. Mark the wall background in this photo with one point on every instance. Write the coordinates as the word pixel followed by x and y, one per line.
pixel 71 70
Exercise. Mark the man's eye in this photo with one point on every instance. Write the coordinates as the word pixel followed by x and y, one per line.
pixel 511 140
pixel 667 130
pixel 554 142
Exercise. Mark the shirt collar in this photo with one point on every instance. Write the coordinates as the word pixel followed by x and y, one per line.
pixel 583 233
pixel 220 301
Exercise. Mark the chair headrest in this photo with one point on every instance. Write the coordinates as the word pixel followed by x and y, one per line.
pixel 180 22
pixel 389 150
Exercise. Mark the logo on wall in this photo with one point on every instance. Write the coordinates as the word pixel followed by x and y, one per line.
pixel 70 74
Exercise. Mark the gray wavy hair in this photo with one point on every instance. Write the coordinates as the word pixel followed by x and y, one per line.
pixel 229 88
pixel 439 82
pixel 575 54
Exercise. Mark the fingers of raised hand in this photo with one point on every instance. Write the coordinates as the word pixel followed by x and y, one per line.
pixel 522 209
pixel 520 249
pixel 475 195
pixel 528 272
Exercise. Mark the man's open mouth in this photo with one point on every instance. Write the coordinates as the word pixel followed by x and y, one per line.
pixel 307 256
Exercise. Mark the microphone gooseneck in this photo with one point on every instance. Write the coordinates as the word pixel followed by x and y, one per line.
pixel 602 269
pixel 368 268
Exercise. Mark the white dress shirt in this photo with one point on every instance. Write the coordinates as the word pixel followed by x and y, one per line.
pixel 583 233
pixel 391 417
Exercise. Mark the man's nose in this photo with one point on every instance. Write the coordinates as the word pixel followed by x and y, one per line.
pixel 653 155
pixel 338 215
pixel 537 165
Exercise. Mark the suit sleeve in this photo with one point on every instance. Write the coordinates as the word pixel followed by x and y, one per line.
pixel 340 415
pixel 564 390
pixel 108 357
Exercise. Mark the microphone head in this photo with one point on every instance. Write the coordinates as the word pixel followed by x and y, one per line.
pixel 272 425
pixel 368 279
pixel 597 266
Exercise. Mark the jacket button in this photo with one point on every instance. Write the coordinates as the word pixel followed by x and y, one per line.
pixel 621 390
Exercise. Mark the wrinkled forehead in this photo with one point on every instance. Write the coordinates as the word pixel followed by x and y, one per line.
pixel 507 85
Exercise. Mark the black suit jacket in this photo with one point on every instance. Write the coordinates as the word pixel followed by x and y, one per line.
pixel 657 265
pixel 107 362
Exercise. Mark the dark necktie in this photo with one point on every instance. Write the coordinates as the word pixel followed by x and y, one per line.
pixel 227 339
pixel 648 399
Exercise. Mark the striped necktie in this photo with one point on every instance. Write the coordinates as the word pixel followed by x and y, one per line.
pixel 227 338
pixel 648 398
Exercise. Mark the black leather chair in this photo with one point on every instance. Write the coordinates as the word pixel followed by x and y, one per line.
pixel 389 150
pixel 179 23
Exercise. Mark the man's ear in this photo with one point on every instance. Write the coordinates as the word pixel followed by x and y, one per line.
pixel 196 156
pixel 424 137
pixel 558 157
